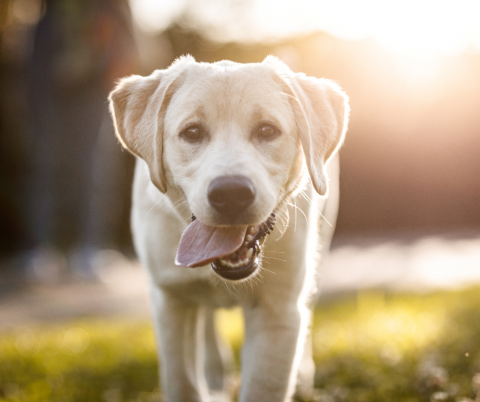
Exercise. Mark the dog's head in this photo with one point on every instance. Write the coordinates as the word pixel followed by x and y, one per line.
pixel 233 138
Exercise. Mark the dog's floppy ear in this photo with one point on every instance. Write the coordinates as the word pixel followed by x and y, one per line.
pixel 321 112
pixel 138 106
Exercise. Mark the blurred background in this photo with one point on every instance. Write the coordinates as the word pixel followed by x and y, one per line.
pixel 409 216
pixel 410 193
pixel 410 163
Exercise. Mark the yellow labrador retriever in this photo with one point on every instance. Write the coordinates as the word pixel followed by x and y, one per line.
pixel 222 150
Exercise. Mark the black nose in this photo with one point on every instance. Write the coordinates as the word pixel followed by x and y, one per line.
pixel 231 195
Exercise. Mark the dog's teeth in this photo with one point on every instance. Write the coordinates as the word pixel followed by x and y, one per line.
pixel 251 230
pixel 227 263
pixel 249 237
pixel 249 253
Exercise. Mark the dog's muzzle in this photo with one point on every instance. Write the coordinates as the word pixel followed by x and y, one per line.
pixel 244 262
pixel 233 251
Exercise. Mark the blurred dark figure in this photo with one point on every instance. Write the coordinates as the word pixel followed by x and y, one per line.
pixel 74 191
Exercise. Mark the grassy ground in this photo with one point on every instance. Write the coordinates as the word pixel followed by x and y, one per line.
pixel 369 347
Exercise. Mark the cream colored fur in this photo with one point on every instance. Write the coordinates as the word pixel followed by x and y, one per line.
pixel 171 181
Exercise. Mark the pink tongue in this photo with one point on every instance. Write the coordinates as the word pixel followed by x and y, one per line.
pixel 201 244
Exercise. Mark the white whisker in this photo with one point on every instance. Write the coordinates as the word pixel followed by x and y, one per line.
pixel 326 220
pixel 229 289
pixel 295 216
pixel 293 205
pixel 150 210
pixel 305 195
pixel 274 273
pixel 283 217
pixel 274 258
pixel 308 199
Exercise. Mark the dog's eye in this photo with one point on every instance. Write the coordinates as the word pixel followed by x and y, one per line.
pixel 267 132
pixel 192 134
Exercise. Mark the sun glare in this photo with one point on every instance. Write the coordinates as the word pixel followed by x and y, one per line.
pixel 153 15
pixel 417 32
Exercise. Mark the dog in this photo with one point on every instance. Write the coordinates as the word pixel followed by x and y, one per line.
pixel 223 151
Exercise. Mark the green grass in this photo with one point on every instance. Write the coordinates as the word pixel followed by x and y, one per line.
pixel 97 360
pixel 369 347
pixel 407 347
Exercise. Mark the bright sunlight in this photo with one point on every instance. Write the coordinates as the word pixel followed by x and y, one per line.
pixel 413 27
pixel 417 32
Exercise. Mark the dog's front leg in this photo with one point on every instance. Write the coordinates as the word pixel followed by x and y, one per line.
pixel 273 346
pixel 180 332
pixel 219 362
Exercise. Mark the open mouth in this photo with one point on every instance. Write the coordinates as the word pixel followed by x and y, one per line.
pixel 233 251
pixel 244 261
